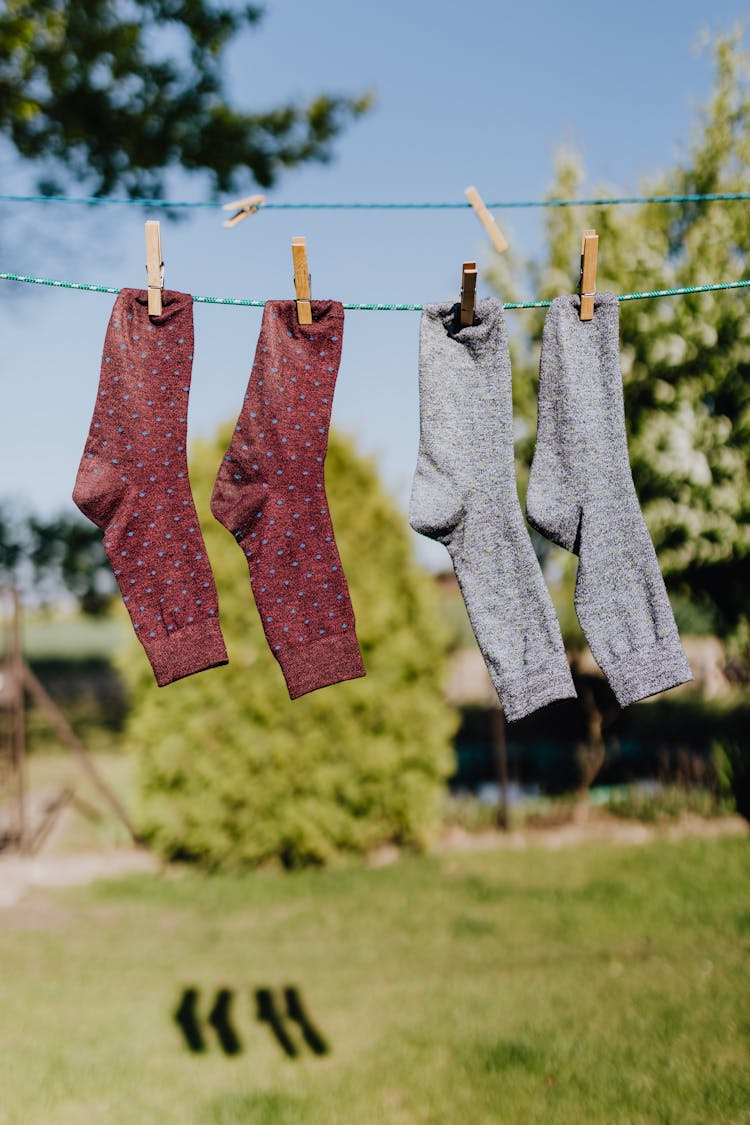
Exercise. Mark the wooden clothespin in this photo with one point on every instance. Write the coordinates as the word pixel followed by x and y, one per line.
pixel 589 254
pixel 243 208
pixel 301 280
pixel 497 237
pixel 154 267
pixel 468 292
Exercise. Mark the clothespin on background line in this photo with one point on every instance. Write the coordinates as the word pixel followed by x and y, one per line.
pixel 589 255
pixel 154 267
pixel 301 280
pixel 243 208
pixel 497 237
pixel 468 292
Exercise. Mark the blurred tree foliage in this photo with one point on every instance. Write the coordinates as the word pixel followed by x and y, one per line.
pixel 685 360
pixel 114 95
pixel 11 547
pixel 43 558
pixel 234 774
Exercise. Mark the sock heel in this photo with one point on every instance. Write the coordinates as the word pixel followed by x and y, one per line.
pixel 96 497
pixel 551 515
pixel 238 499
pixel 435 510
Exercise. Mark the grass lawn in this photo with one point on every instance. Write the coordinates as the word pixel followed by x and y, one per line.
pixel 598 984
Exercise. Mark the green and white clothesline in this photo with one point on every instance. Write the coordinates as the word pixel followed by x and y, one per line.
pixel 171 204
pixel 247 302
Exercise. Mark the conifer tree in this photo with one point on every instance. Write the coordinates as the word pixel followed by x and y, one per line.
pixel 234 774
pixel 686 359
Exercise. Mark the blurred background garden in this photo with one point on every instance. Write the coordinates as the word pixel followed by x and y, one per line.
pixel 379 902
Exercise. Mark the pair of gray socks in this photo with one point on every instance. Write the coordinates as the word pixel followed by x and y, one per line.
pixel 580 495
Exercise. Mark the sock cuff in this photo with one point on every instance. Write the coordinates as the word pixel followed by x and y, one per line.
pixel 568 306
pixel 314 350
pixel 488 330
pixel 580 377
pixel 563 322
pixel 566 311
pixel 174 304
pixel 330 660
pixel 326 316
pixel 464 379
pixel 568 340
pixel 182 652
pixel 647 670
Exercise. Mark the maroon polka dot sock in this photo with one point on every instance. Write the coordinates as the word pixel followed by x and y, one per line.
pixel 133 483
pixel 270 493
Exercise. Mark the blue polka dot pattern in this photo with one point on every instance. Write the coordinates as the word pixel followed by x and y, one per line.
pixel 270 493
pixel 133 483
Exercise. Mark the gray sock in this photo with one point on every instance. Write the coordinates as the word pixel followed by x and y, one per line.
pixel 581 496
pixel 464 495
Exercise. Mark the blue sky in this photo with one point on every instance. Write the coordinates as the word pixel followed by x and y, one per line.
pixel 482 93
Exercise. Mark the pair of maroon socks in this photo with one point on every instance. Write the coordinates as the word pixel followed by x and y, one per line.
pixel 269 492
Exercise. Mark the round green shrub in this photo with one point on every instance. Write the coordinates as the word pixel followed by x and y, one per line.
pixel 234 774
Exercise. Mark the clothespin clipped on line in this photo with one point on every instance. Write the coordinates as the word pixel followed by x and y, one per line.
pixel 154 267
pixel 589 255
pixel 301 280
pixel 242 208
pixel 468 293
pixel 497 237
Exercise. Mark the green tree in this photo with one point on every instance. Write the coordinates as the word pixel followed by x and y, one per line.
pixel 43 558
pixel 685 360
pixel 116 95
pixel 66 552
pixel 11 546
pixel 235 774
pixel 686 374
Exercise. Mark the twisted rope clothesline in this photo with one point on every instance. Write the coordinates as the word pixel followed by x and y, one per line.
pixel 247 302
pixel 98 201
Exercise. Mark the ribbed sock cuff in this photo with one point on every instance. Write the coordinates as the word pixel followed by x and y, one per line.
pixel 186 651
pixel 647 671
pixel 330 660
pixel 521 697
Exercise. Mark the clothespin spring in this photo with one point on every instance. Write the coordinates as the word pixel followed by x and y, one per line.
pixel 242 208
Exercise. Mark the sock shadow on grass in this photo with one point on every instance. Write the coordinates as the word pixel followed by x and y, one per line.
pixel 188 1019
pixel 220 1020
pixel 295 1010
pixel 267 1012
pixel 286 1016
